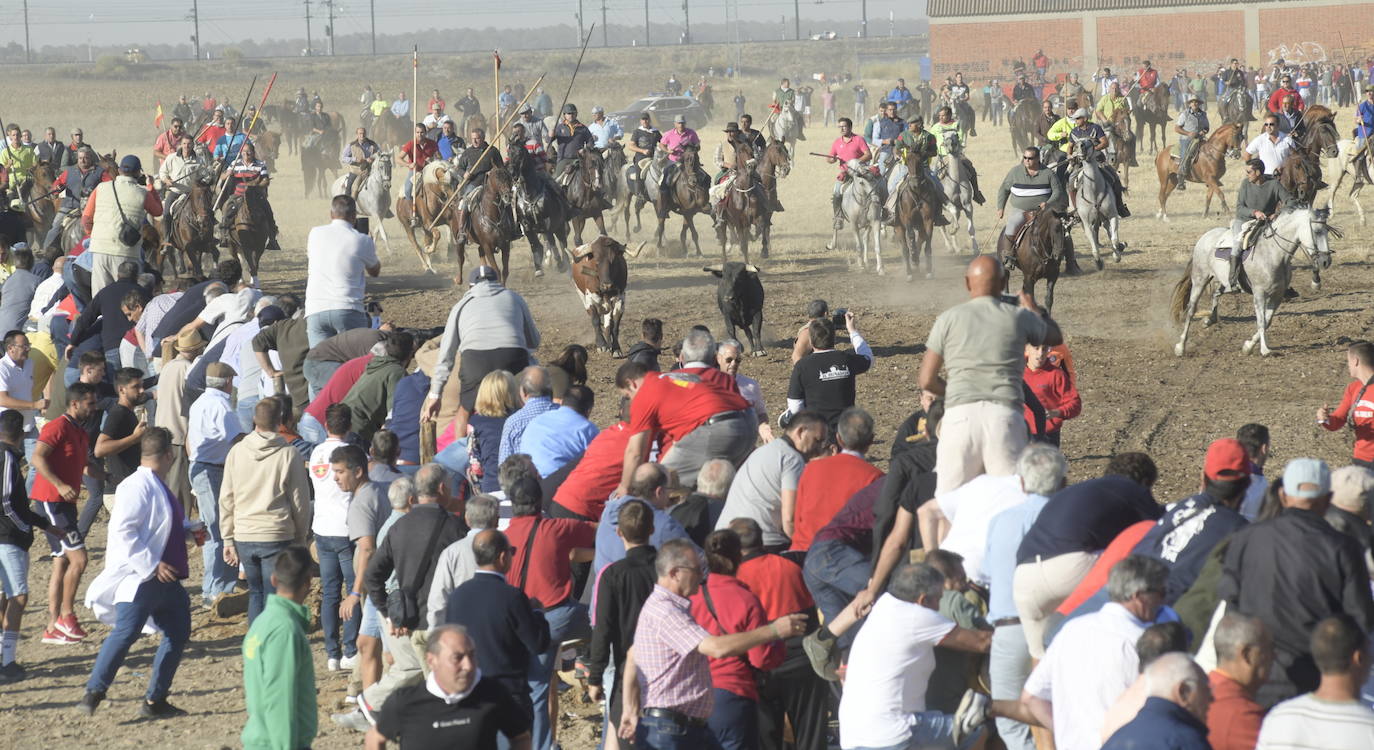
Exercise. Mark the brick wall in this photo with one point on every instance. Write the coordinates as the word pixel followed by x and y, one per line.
pixel 983 49
pixel 1170 41
pixel 1307 34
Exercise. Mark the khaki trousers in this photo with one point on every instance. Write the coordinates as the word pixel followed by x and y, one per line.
pixel 1042 585
pixel 978 438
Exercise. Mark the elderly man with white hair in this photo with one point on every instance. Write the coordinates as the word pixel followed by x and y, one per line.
pixel 1172 718
pixel 1352 488
pixel 212 428
pixel 700 511
pixel 729 356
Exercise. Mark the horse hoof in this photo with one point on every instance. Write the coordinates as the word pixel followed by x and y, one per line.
pixel 538 273
pixel 930 274
pixel 1178 350
pixel 1247 347
pixel 1098 262
pixel 1316 287
pixel 603 349
pixel 910 278
pixel 1265 351
pixel 758 353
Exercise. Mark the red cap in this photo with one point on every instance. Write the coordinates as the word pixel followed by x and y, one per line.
pixel 1226 459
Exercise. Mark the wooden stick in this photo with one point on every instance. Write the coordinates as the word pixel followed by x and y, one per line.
pixel 429 433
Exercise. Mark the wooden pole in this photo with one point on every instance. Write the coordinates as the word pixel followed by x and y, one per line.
pixel 496 88
pixel 414 95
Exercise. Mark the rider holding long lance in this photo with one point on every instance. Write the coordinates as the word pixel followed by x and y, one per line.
pixel 477 160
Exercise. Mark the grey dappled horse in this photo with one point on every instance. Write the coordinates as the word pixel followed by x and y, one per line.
pixel 863 211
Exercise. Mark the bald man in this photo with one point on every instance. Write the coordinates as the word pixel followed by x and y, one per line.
pixel 981 344
pixel 1174 714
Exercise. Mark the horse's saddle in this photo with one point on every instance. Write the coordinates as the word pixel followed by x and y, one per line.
pixel 437 173
pixel 1249 234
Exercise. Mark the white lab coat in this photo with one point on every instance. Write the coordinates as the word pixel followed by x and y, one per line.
pixel 140 525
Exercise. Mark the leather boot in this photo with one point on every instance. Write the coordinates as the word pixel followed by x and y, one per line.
pixel 1070 260
pixel 1005 252
pixel 462 233
pixel 973 180
pixel 836 205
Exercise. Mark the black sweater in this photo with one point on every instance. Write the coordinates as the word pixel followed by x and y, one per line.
pixel 17 519
pixel 624 586
pixel 403 551
pixel 506 630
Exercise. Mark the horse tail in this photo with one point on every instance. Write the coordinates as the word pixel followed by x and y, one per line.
pixel 1183 290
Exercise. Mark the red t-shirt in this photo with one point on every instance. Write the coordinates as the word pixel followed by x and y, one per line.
pixel 778 583
pixel 1361 415
pixel 826 485
pixel 338 386
pixel 1118 550
pixel 69 442
pixel 211 134
pixel 677 402
pixel 428 149
pixel 737 610
pixel 550 578
pixel 589 485
pixel 1053 387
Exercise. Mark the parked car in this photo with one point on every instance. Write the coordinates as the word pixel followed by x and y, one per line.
pixel 662 109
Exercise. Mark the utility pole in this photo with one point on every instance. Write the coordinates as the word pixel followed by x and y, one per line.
pixel 27 57
pixel 581 31
pixel 329 30
pixel 646 23
pixel 605 40
pixel 372 11
pixel 863 24
pixel 309 43
pixel 686 24
pixel 796 17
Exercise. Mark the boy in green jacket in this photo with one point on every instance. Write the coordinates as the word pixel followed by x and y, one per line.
pixel 278 673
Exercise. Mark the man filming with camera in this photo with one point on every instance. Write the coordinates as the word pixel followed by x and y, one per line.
pixel 823 381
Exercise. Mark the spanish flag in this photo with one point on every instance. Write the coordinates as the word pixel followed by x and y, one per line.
pixel 157 121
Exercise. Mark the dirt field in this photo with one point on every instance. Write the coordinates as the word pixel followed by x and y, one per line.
pixel 1136 394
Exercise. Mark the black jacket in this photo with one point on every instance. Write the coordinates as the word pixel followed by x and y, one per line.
pixel 403 551
pixel 17 518
pixel 698 514
pixel 624 586
pixel 106 306
pixel 1292 571
pixel 644 354
pixel 506 630
pixel 1352 526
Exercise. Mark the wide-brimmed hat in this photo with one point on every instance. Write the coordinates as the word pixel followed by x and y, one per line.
pixel 189 341
pixel 732 127
pixel 1192 98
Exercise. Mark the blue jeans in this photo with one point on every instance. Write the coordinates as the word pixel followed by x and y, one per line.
pixel 244 410
pixel 311 430
pixel 322 325
pixel 931 729
pixel 317 373
pixel 111 364
pixel 655 733
pixel 220 577
pixel 336 571
pixel 1009 665
pixel 566 621
pixel 259 559
pixel 835 573
pixel 734 721
pixel 170 609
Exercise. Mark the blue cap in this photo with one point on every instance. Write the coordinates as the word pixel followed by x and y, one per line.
pixel 483 273
pixel 1306 471
pixel 130 163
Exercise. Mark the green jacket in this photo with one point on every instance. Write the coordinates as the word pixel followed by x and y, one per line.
pixel 370 397
pixel 279 679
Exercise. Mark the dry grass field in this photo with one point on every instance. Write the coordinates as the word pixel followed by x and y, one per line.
pixel 1136 394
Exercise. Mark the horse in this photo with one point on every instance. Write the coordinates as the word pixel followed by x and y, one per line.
pixel 248 232
pixel 1023 120
pixel 966 117
pixel 1360 172
pixel 39 208
pixel 192 232
pixel 958 187
pixel 1238 106
pixel 490 222
pixel 863 211
pixel 374 197
pixel 613 175
pixel 1269 270
pixel 1316 138
pixel 269 147
pixel 1151 110
pixel 686 195
pixel 1095 204
pixel 585 194
pixel 431 205
pixel 320 159
pixel 1038 249
pixel 783 127
pixel 474 121
pixel 624 198
pixel 392 131
pixel 541 209
pixel 773 165
pixel 1209 166
pixel 745 209
pixel 1121 144
pixel 914 217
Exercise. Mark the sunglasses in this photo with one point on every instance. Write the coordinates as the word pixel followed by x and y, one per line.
pixel 730 360
pixel 1030 158
pixel 1270 124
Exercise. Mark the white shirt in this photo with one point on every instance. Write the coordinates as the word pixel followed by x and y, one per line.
pixel 331 503
pixel 17 383
pixel 1086 668
pixel 230 307
pixel 337 256
pixel 238 354
pixel 41 297
pixel 457 565
pixel 970 509
pixel 1308 722
pixel 1269 152
pixel 140 528
pixel 212 427
pixel 889 668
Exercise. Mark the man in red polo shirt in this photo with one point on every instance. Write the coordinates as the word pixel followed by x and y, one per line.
pixel 60 459
pixel 696 412
pixel 848 147
pixel 828 483
pixel 585 491
pixel 414 156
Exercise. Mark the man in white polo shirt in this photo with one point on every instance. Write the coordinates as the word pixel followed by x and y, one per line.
pixel 16 390
pixel 1271 146
pixel 337 256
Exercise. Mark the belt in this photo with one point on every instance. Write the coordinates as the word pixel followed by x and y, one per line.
pixel 1006 621
pixel 403 462
pixel 674 716
pixel 725 416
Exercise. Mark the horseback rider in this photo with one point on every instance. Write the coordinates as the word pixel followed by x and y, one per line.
pixel 603 130
pixel 174 178
pixel 754 138
pixel 726 167
pixel 18 162
pixel 76 183
pixel 534 130
pixel 1270 146
pixel 368 97
pixel 1285 89
pixel 674 141
pixel 1023 90
pixel 469 105
pixel 450 143
pixel 302 103
pixel 846 148
pixel 1104 81
pixel 916 140
pixel 888 129
pixel 246 173
pixel 1147 78
pixel 1047 120
pixel 53 152
pixel 643 141
pixel 1029 186
pixel 377 108
pixel 944 129
pixel 571 136
pixel 1091 140
pixel 77 143
pixel 1289 116
pixel 1261 198
pixel 1057 137
pixel 899 94
pixel 785 99
pixel 357 157
pixel 166 143
pixel 1110 103
pixel 477 160
pixel 227 146
pixel 320 124
pixel 1071 88
pixel 182 109
pixel 1233 79
pixel 1192 127
pixel 209 135
pixel 1364 120
pixel 400 109
pixel 436 118
pixel 415 155
pixel 959 101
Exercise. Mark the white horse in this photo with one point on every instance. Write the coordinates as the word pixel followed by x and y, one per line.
pixel 783 127
pixel 862 209
pixel 1096 205
pixel 374 199
pixel 1269 270
pixel 1356 172
pixel 958 185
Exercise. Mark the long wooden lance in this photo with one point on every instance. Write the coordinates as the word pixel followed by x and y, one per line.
pixel 559 113
pixel 251 86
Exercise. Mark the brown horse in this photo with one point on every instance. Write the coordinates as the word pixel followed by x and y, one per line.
pixel 687 195
pixel 1023 120
pixel 1039 247
pixel 585 194
pixel 1316 138
pixel 1151 110
pixel 269 147
pixel 745 208
pixel 193 228
pixel 914 218
pixel 320 160
pixel 1208 168
pixel 248 231
pixel 490 223
pixel 774 165
pixel 40 206
pixel 1122 142
pixel 435 211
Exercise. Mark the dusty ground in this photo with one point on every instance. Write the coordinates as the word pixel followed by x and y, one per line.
pixel 1136 394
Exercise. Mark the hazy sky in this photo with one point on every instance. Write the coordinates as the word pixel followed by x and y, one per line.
pixel 130 22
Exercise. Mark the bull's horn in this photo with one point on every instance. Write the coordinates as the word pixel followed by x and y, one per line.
pixel 639 249
pixel 751 268
pixel 717 268
pixel 580 249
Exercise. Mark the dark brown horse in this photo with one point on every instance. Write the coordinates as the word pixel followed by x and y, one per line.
pixel 745 208
pixel 1039 247
pixel 540 207
pixel 687 195
pixel 586 194
pixel 1208 167
pixel 1151 110
pixel 320 159
pixel 1023 120
pixel 772 166
pixel 1316 138
pixel 248 231
pixel 1122 142
pixel 193 228
pixel 914 218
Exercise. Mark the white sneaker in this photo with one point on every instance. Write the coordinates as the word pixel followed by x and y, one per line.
pixel 333 665
pixel 354 720
pixel 348 662
pixel 971 715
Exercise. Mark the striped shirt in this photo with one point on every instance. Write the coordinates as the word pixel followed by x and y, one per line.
pixel 1309 723
pixel 673 674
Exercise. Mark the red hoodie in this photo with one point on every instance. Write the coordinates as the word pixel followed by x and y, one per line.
pixel 1055 389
